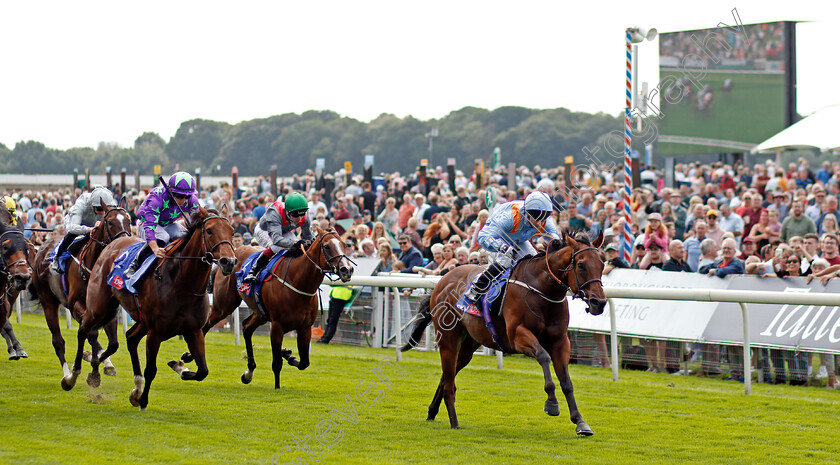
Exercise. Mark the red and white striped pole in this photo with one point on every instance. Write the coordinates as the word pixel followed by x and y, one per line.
pixel 628 137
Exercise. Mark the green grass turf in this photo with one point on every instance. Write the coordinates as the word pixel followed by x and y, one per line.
pixel 643 418
pixel 752 112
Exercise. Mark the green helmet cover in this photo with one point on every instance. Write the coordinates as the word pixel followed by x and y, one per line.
pixel 295 202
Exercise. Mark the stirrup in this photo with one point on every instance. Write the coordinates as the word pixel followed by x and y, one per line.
pixel 251 278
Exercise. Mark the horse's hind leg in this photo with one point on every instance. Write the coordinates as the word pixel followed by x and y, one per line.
pixel 304 337
pixel 88 322
pixel 195 342
pixel 465 354
pixel 525 342
pixel 276 351
pixel 105 358
pixel 50 307
pixel 250 325
pixel 560 356
pixel 15 348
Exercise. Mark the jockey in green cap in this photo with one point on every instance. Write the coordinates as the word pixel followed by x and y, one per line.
pixel 276 230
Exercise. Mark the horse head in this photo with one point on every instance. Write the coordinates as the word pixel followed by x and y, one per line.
pixel 115 224
pixel 14 255
pixel 216 233
pixel 581 262
pixel 331 253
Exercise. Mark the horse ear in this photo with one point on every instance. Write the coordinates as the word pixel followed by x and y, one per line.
pixel 123 202
pixel 224 211
pixel 318 230
pixel 598 240
pixel 570 241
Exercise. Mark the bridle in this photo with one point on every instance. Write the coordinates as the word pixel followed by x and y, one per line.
pixel 580 293
pixel 5 267
pixel 111 237
pixel 322 250
pixel 207 258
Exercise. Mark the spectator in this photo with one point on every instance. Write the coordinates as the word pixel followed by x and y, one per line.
pixel 709 250
pixel 613 258
pixel 713 231
pixel 390 216
pixel 692 244
pixel 409 255
pixel 748 249
pixel 797 224
pixel 677 262
pixel 727 264
pixel 654 258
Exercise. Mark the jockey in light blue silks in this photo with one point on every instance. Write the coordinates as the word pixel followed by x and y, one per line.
pixel 83 216
pixel 159 213
pixel 507 235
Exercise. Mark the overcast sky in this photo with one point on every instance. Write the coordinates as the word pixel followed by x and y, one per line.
pixel 78 73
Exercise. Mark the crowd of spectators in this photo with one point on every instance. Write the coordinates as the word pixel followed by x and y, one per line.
pixel 765 220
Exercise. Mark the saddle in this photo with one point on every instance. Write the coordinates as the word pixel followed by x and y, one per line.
pixel 264 276
pixel 62 260
pixel 487 303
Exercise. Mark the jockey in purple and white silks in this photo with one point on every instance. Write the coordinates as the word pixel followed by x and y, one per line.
pixel 159 214
pixel 507 235
pixel 85 213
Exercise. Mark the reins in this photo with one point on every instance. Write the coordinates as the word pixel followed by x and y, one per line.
pixel 321 246
pixel 208 257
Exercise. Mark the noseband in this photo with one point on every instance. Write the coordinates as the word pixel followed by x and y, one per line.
pixel 581 293
pixel 327 258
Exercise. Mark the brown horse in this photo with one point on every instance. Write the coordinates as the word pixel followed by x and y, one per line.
pixel 171 301
pixel 15 253
pixel 534 319
pixel 47 285
pixel 290 298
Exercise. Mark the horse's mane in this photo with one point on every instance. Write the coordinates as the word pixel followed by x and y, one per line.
pixel 580 235
pixel 296 250
pixel 198 218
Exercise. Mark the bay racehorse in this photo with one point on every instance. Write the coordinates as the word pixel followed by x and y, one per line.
pixel 171 301
pixel 534 319
pixel 47 286
pixel 290 298
pixel 18 283
pixel 15 272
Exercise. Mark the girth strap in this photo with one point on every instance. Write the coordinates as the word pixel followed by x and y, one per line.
pixel 535 290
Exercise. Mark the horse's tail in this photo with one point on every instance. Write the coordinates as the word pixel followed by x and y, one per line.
pixel 33 294
pixel 424 317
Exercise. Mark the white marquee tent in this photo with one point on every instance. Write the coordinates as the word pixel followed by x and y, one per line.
pixel 818 130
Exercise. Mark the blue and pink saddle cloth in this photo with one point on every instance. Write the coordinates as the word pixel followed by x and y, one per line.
pixel 117 278
pixel 485 304
pixel 265 275
pixel 62 260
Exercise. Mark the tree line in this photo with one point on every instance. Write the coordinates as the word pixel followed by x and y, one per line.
pixel 294 141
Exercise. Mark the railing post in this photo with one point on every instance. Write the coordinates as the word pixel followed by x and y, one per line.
pixel 18 309
pixel 376 318
pixel 236 325
pixel 747 360
pixel 69 318
pixel 398 321
pixel 124 315
pixel 613 341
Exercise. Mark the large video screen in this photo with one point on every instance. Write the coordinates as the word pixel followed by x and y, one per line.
pixel 725 89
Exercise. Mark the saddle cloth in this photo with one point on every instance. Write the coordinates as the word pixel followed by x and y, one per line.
pixel 497 286
pixel 265 275
pixel 117 279
pixel 62 260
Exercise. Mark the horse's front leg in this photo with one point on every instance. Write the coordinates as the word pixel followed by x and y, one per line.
pixel 276 351
pixel 560 352
pixel 525 342
pixel 304 337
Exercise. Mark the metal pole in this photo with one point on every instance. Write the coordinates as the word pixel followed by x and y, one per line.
pixel 613 341
pixel 747 361
pixel 398 321
pixel 628 137
pixel 236 325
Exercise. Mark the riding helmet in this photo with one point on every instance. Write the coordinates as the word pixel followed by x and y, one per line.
pixel 100 195
pixel 538 205
pixel 182 183
pixel 296 202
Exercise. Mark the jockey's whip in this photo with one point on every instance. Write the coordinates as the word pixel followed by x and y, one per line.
pixel 163 183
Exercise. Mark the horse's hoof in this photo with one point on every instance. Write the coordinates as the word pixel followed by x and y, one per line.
pixel 13 356
pixel 134 397
pixel 552 408
pixel 22 353
pixel 187 357
pixel 110 371
pixel 246 379
pixel 176 365
pixel 66 385
pixel 86 356
pixel 94 380
pixel 456 427
pixel 583 429
pixel 293 362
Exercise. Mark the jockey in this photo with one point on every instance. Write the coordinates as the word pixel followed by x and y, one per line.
pixel 159 213
pixel 276 230
pixel 84 215
pixel 507 235
pixel 11 206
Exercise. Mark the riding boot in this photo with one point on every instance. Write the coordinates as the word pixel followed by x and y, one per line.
pixel 62 247
pixel 261 262
pixel 75 246
pixel 138 260
pixel 467 302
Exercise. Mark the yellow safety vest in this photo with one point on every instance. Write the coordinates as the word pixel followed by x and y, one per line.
pixel 341 292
